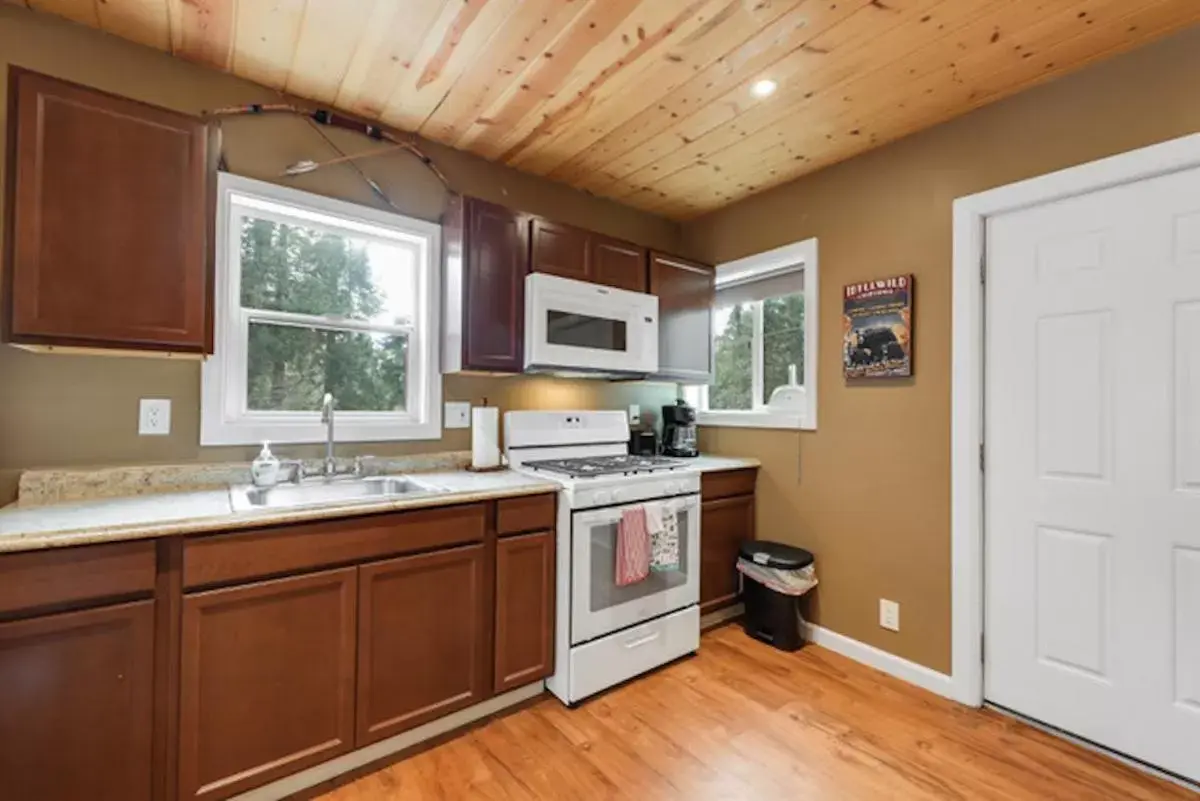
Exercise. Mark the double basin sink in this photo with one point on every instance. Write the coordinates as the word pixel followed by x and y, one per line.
pixel 331 492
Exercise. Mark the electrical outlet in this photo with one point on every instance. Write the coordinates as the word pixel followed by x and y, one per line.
pixel 889 614
pixel 635 414
pixel 457 414
pixel 154 417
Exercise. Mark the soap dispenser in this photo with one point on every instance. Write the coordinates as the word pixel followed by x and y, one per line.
pixel 264 470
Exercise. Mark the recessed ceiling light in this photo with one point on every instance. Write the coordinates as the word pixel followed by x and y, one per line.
pixel 764 88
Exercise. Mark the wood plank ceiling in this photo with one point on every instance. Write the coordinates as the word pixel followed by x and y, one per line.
pixel 647 102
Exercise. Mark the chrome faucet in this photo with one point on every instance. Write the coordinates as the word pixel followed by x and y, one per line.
pixel 330 467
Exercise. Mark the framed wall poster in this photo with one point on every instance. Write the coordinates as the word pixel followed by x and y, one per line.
pixel 877 328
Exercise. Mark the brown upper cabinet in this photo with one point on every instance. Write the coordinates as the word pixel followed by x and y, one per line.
pixel 486 254
pixel 586 256
pixel 109 214
pixel 686 291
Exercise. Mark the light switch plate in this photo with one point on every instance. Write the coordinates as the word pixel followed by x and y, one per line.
pixel 154 417
pixel 635 414
pixel 889 614
pixel 457 415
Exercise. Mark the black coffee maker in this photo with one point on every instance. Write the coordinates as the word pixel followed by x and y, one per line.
pixel 679 430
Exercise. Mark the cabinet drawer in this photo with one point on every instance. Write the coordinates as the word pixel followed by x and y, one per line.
pixel 727 483
pixel 224 558
pixel 529 513
pixel 74 575
pixel 617 657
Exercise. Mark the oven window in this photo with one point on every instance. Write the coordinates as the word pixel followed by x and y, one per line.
pixel 584 331
pixel 606 593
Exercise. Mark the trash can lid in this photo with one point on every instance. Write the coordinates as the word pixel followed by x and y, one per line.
pixel 775 554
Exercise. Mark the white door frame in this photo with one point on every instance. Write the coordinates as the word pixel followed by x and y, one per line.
pixel 967 372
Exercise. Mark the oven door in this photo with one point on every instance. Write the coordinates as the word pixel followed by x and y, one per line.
pixel 598 605
pixel 578 326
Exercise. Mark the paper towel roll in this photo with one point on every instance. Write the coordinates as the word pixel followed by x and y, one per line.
pixel 485 437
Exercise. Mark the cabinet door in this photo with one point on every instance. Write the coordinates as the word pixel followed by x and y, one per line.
pixel 495 262
pixel 267 681
pixel 616 263
pixel 685 291
pixel 109 221
pixel 724 525
pixel 423 635
pixel 524 609
pixel 76 705
pixel 559 250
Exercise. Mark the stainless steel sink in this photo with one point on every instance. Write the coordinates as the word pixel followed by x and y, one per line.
pixel 331 492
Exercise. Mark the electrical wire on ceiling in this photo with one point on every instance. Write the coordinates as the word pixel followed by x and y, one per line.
pixel 321 119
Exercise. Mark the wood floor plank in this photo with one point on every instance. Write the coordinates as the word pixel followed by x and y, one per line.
pixel 744 721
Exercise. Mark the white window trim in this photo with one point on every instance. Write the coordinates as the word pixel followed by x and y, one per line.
pixel 224 419
pixel 751 268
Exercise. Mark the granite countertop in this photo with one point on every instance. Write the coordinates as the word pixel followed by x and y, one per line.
pixel 80 522
pixel 708 464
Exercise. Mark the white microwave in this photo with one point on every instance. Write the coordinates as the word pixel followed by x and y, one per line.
pixel 576 327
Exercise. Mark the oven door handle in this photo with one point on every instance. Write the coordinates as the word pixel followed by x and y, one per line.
pixel 612 515
pixel 640 641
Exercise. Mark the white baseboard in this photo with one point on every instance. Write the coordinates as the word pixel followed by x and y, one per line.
pixel 911 672
pixel 364 756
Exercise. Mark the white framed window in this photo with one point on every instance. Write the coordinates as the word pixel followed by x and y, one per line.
pixel 764 328
pixel 316 295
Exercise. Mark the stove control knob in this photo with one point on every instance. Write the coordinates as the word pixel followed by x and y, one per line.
pixel 617 495
pixel 671 488
pixel 583 499
pixel 601 498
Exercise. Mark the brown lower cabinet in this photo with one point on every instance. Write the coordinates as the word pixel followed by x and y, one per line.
pixel 726 520
pixel 524 609
pixel 76 697
pixel 422 640
pixel 267 681
pixel 289 646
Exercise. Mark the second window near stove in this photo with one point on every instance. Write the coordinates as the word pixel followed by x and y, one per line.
pixel 764 331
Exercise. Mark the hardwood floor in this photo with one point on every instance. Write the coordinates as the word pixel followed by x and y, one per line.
pixel 743 721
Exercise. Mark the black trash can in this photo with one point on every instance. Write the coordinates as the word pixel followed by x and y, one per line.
pixel 773 616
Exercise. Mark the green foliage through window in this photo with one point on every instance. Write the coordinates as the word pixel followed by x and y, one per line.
pixel 782 345
pixel 288 268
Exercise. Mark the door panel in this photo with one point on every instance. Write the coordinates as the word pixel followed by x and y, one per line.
pixel 686 291
pixel 1093 467
pixel 267 681
pixel 559 250
pixel 423 633
pixel 76 694
pixel 724 525
pixel 110 221
pixel 495 264
pixel 524 609
pixel 617 263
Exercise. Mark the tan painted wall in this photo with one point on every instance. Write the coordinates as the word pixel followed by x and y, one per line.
pixel 60 410
pixel 870 491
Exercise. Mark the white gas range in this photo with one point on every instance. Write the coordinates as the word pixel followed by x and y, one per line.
pixel 604 633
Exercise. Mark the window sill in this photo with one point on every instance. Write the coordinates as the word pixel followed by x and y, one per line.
pixel 757 419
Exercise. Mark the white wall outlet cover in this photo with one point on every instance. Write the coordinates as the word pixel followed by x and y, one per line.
pixel 457 414
pixel 635 414
pixel 154 417
pixel 889 614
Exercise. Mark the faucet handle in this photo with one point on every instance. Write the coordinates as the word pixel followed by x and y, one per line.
pixel 364 465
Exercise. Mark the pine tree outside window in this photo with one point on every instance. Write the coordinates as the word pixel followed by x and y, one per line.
pixel 313 296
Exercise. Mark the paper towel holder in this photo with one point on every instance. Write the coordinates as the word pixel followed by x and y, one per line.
pixel 471 467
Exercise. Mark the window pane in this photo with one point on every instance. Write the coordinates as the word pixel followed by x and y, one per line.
pixel 783 341
pixel 733 332
pixel 291 369
pixel 292 268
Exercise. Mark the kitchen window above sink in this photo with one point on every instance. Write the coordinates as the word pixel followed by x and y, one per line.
pixel 318 296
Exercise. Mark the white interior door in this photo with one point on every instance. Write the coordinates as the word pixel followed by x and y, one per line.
pixel 1093 467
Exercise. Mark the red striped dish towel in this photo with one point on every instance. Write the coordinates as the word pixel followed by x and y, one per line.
pixel 633 547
